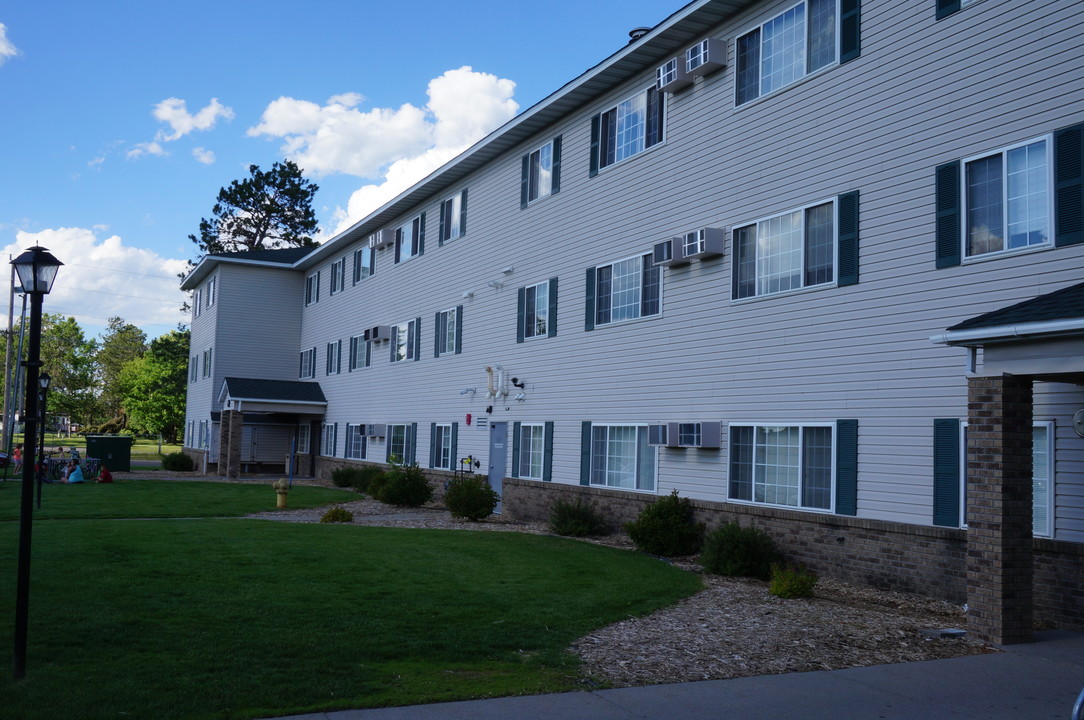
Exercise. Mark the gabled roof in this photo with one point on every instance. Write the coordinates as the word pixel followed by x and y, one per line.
pixel 278 391
pixel 1058 313
pixel 284 258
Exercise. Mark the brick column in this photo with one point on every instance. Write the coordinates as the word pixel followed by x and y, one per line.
pixel 999 523
pixel 223 443
pixel 230 446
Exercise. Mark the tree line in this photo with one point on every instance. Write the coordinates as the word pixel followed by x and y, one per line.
pixel 115 382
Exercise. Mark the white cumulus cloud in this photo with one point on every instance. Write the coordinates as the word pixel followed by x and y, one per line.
pixel 7 48
pixel 174 112
pixel 203 155
pixel 103 277
pixel 141 149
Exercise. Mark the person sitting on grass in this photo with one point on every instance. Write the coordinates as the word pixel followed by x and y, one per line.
pixel 105 476
pixel 73 474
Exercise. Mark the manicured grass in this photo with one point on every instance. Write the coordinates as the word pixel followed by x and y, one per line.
pixel 249 618
pixel 161 498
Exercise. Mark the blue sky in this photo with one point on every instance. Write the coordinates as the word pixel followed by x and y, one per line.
pixel 120 120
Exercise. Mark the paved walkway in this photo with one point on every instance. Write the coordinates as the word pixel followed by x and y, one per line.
pixel 1026 682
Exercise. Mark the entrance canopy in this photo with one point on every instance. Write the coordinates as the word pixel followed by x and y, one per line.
pixel 251 396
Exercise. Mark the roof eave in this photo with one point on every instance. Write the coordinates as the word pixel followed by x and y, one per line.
pixel 978 337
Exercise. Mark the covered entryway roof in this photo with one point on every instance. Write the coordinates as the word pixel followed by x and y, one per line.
pixel 252 395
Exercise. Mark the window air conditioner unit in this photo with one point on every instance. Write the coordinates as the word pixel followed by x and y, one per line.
pixel 671 76
pixel 656 435
pixel 702 244
pixel 668 253
pixel 705 57
pixel 376 430
pixel 695 434
pixel 380 333
pixel 382 238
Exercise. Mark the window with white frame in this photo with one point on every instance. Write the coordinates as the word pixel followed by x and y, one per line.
pixel 536 310
pixel 398 443
pixel 448 331
pixel 404 341
pixel 333 362
pixel 622 458
pixel 190 433
pixel 1008 199
pixel 193 368
pixel 442 446
pixel 203 435
pixel 211 291
pixel 307 363
pixel 328 438
pixel 540 172
pixel 629 128
pixel 453 215
pixel 361 353
pixel 197 303
pixel 303 439
pixel 410 239
pixel 786 465
pixel 312 289
pixel 531 450
pixel 627 290
pixel 788 47
pixel 208 361
pixel 364 263
pixel 338 275
pixel 356 442
pixel 785 252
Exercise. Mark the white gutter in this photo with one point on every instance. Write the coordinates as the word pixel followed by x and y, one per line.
pixel 1007 333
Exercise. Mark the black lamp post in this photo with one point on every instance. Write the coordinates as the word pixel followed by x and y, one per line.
pixel 36 269
pixel 43 381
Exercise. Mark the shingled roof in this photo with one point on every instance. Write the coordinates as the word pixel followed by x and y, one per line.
pixel 292 391
pixel 1064 304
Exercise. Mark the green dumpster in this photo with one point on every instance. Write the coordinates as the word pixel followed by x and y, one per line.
pixel 115 451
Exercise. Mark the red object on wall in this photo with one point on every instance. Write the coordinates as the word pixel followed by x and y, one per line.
pixel 468 418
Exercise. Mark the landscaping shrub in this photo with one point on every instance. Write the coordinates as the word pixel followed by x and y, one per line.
pixel 577 518
pixel 471 497
pixel 666 527
pixel 404 485
pixel 792 582
pixel 345 476
pixel 733 550
pixel 337 515
pixel 178 462
pixel 368 477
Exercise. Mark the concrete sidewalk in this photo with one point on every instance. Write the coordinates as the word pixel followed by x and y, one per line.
pixel 1025 682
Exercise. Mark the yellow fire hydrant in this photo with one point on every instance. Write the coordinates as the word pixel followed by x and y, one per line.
pixel 281 487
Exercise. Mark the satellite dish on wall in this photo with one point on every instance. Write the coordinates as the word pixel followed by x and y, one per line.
pixel 1078 422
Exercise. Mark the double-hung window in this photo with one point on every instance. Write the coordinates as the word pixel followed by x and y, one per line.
pixel 541 173
pixel 364 263
pixel 312 289
pixel 620 457
pixel 623 290
pixel 453 218
pixel 449 332
pixel 307 363
pixel 401 441
pixel 211 291
pixel 442 444
pixel 627 129
pixel 197 303
pixel 531 450
pixel 334 358
pixel 204 436
pixel 356 442
pixel 303 431
pixel 787 465
pixel 410 239
pixel 406 341
pixel 1008 199
pixel 809 36
pixel 338 275
pixel 193 368
pixel 328 439
pixel 208 361
pixel 361 353
pixel 537 315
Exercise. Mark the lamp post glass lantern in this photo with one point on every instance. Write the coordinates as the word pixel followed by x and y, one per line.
pixel 36 269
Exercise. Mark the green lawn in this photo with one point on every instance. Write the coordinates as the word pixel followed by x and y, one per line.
pixel 161 498
pixel 246 618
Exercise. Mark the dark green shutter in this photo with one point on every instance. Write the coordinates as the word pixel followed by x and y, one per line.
pixel 850 30
pixel 523 178
pixel 521 314
pixel 948 214
pixel 946 472
pixel 515 450
pixel 417 338
pixel 432 445
pixel 551 328
pixel 1069 186
pixel 453 460
pixel 589 301
pixel 846 467
pixel 440 227
pixel 463 213
pixel 398 243
pixel 585 453
pixel 555 176
pixel 944 8
pixel 595 131
pixel 847 210
pixel 547 452
pixel 421 234
pixel 458 329
pixel 412 453
pixel 437 335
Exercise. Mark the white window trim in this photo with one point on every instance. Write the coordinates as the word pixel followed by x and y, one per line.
pixel 212 290
pixel 1003 151
pixel 197 303
pixel 310 354
pixel 542 464
pixel 302 440
pixel 447 427
pixel 406 440
pixel 456 200
pixel 338 276
pixel 549 188
pixel 312 289
pixel 639 318
pixel 663 98
pixel 546 285
pixel 333 361
pixel 830 510
pixel 349 450
pixel 360 253
pixel 453 327
pixel 411 335
pixel 405 245
pixel 324 427
pixel 655 469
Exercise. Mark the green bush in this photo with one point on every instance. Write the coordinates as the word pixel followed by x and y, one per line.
pixel 368 477
pixel 577 518
pixel 177 461
pixel 337 515
pixel 792 582
pixel 404 485
pixel 471 497
pixel 345 476
pixel 666 527
pixel 733 550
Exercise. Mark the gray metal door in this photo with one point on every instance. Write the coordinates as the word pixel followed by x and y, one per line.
pixel 498 458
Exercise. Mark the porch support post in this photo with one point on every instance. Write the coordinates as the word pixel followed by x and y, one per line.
pixel 230 447
pixel 999 514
